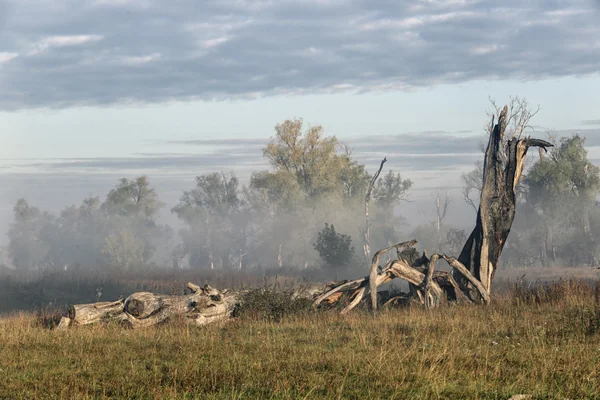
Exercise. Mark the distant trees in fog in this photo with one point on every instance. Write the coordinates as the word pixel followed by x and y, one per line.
pixel 277 219
pixel 274 220
pixel 120 232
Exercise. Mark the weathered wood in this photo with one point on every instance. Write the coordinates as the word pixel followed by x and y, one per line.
pixel 142 309
pixel 466 274
pixel 85 314
pixel 502 168
pixel 64 323
pixel 375 265
pixel 430 300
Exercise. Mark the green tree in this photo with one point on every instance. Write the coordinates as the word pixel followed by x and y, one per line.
pixel 390 190
pixel 26 247
pixel 124 250
pixel 313 178
pixel 562 190
pixel 216 220
pixel 132 209
pixel 316 162
pixel 334 248
pixel 134 198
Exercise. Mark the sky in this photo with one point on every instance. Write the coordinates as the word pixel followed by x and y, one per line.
pixel 92 90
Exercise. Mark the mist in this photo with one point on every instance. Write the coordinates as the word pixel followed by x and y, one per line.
pixel 245 219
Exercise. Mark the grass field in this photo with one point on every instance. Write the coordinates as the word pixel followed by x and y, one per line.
pixel 542 341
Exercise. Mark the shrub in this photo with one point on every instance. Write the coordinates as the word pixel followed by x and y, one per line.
pixel 335 249
pixel 272 304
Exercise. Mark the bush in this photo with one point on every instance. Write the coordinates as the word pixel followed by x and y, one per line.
pixel 269 303
pixel 335 249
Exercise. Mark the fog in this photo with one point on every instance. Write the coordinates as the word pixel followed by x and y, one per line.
pixel 212 211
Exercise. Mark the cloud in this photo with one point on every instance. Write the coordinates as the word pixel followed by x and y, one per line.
pixel 62 41
pixel 6 57
pixel 591 122
pixel 139 60
pixel 74 53
pixel 416 152
pixel 222 142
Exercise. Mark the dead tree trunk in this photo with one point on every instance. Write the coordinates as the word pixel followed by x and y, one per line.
pixel 473 271
pixel 502 168
pixel 367 244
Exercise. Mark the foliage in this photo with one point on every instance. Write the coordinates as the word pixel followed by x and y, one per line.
pixel 335 249
pixel 216 219
pixel 120 232
pixel 26 246
pixel 272 304
pixel 560 191
pixel 275 220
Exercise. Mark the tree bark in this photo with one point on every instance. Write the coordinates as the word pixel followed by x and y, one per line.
pixel 503 166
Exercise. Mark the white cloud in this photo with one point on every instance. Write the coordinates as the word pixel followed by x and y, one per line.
pixel 63 41
pixel 486 49
pixel 215 42
pixel 140 60
pixel 6 57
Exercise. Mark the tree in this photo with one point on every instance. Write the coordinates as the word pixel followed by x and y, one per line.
pixel 309 156
pixel 124 250
pixel 215 218
pixel 314 177
pixel 472 185
pixel 474 269
pixel 335 249
pixel 562 190
pixel 26 247
pixel 442 202
pixel 502 169
pixel 133 198
pixel 132 234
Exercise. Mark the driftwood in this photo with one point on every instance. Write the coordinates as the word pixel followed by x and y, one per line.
pixel 202 306
pixel 473 271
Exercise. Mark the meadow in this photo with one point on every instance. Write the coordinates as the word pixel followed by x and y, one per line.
pixel 542 340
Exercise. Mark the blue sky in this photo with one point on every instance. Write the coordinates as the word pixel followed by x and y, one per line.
pixel 97 89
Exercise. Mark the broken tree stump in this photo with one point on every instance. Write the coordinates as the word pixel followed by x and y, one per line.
pixel 473 271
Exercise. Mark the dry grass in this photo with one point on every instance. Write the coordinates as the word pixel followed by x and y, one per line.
pixel 543 341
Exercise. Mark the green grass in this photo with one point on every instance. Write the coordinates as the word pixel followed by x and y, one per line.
pixel 544 342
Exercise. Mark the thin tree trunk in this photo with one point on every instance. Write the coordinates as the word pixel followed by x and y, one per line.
pixel 280 257
pixel 367 236
pixel 589 236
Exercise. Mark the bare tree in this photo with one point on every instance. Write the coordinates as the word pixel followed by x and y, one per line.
pixel 519 114
pixel 442 201
pixel 367 244
pixel 472 183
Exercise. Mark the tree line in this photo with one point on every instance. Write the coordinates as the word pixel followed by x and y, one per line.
pixel 306 210
pixel 275 219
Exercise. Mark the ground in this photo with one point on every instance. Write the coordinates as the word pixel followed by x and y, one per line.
pixel 544 342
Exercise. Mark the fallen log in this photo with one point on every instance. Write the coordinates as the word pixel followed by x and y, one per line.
pixel 142 309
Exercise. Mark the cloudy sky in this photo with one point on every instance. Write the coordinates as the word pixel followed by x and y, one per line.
pixel 95 89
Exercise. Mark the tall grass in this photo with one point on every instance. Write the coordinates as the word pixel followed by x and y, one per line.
pixel 538 340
